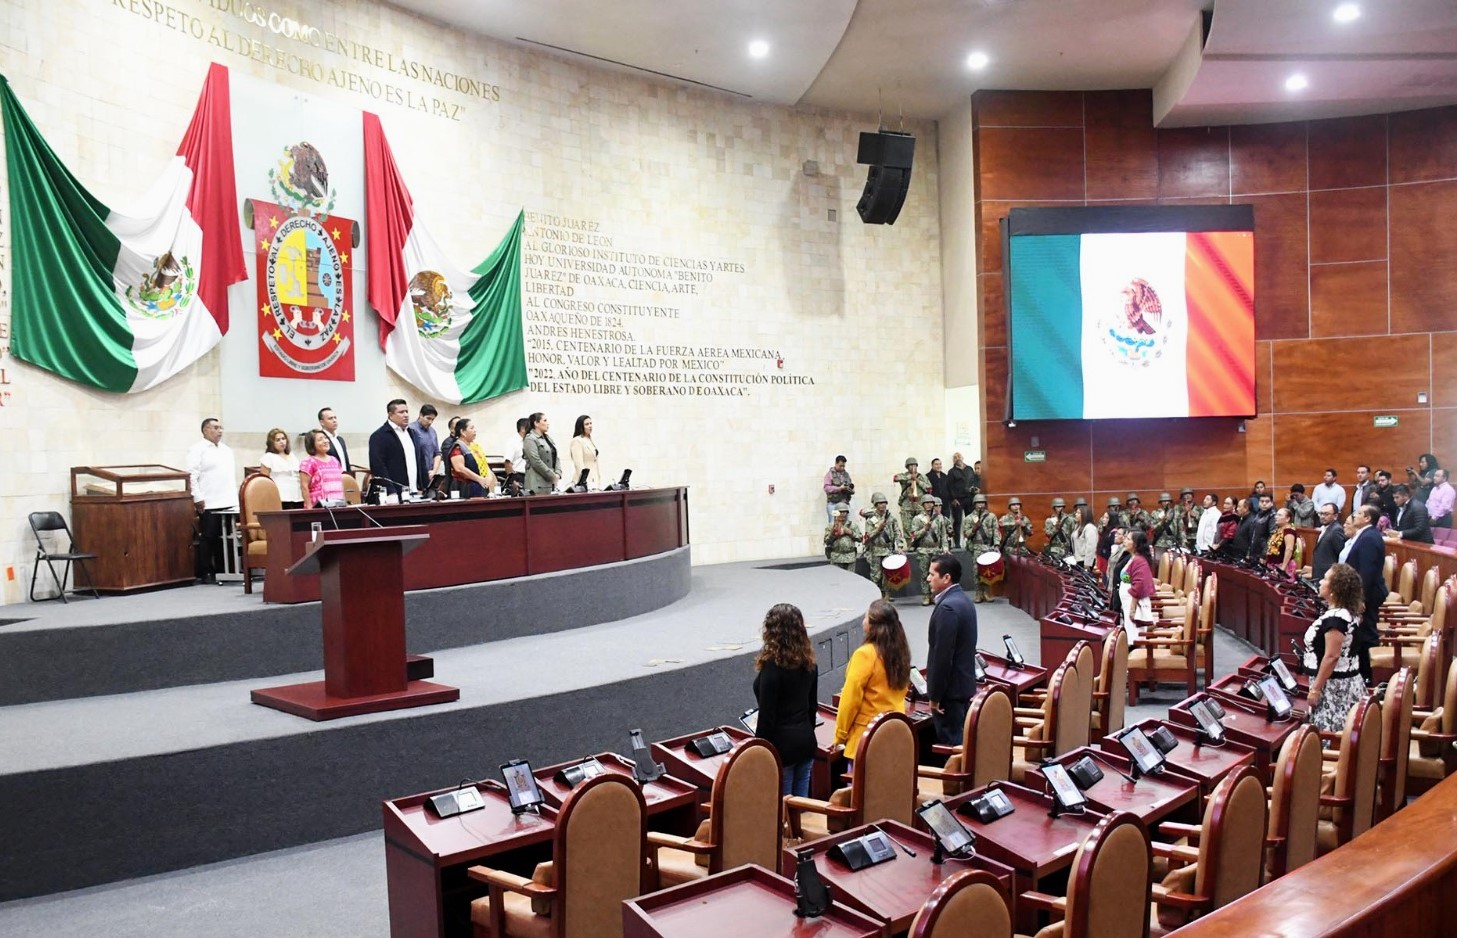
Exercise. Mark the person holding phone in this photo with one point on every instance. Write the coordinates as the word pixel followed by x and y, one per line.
pixel 1331 660
pixel 786 690
pixel 877 677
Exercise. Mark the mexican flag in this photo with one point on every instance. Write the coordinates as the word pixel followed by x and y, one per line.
pixel 455 335
pixel 123 301
pixel 1148 324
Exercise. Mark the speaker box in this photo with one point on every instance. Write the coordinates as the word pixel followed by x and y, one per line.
pixel 889 155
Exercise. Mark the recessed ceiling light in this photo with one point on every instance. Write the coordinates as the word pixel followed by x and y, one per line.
pixel 1347 13
pixel 977 61
pixel 758 48
pixel 1297 83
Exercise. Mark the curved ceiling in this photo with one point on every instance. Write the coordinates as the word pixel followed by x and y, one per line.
pixel 908 56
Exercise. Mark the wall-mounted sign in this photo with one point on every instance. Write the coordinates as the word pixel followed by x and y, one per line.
pixel 1034 455
pixel 1384 420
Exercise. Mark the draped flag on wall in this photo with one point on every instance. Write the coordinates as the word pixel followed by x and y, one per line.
pixel 456 336
pixel 123 301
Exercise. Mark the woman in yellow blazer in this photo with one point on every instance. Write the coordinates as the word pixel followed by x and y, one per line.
pixel 877 678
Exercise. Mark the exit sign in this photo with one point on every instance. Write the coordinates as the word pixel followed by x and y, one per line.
pixel 1034 455
pixel 1384 420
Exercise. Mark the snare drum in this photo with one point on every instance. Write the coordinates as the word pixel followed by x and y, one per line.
pixel 991 566
pixel 897 570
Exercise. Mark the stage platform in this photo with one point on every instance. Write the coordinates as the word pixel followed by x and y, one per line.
pixel 104 786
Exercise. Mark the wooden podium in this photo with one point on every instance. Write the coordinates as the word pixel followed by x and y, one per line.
pixel 362 584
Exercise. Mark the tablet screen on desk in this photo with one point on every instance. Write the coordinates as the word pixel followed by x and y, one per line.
pixel 1207 721
pixel 1147 758
pixel 918 681
pixel 521 787
pixel 952 833
pixel 750 720
pixel 1275 697
pixel 1287 680
pixel 1067 794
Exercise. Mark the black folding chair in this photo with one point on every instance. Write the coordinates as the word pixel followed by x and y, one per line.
pixel 42 521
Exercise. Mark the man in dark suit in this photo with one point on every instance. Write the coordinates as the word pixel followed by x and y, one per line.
pixel 951 661
pixel 1368 555
pixel 1387 493
pixel 1411 522
pixel 1262 517
pixel 329 423
pixel 1328 545
pixel 394 456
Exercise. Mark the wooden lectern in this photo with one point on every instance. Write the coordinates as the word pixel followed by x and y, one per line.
pixel 362 584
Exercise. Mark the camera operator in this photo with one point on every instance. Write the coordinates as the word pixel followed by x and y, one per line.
pixel 838 489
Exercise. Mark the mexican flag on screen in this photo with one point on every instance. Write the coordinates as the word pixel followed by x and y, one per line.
pixel 1154 324
pixel 453 334
pixel 123 300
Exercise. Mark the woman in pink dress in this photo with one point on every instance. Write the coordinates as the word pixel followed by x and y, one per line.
pixel 320 473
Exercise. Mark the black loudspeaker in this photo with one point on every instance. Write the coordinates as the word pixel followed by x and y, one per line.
pixel 889 155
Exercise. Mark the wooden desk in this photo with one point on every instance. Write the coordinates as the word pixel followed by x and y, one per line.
pixel 1244 723
pixel 671 802
pixel 1016 680
pixel 140 533
pixel 1152 798
pixel 426 858
pixel 1207 765
pixel 1059 637
pixel 744 901
pixel 1263 612
pixel 480 539
pixel 893 891
pixel 685 764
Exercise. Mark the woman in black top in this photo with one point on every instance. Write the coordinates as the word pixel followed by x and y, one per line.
pixel 786 688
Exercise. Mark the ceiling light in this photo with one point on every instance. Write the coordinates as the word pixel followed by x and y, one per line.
pixel 758 48
pixel 1347 13
pixel 977 61
pixel 1297 83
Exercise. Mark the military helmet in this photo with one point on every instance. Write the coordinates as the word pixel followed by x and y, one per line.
pixel 842 509
pixel 911 462
pixel 1165 497
pixel 1058 503
pixel 1185 491
pixel 1017 502
pixel 937 499
pixel 979 500
pixel 1081 502
pixel 927 498
pixel 1113 502
pixel 1133 497
pixel 878 498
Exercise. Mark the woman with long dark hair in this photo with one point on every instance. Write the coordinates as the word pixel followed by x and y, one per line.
pixel 877 677
pixel 785 688
pixel 1334 671
pixel 584 453
pixel 1136 584
pixel 1281 551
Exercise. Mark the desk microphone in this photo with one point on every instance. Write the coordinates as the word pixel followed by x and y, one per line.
pixel 904 849
pixel 332 520
pixel 374 481
pixel 367 515
pixel 1126 777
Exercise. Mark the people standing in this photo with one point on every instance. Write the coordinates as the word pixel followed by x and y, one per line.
pixel 1208 528
pixel 1135 516
pixel 877 677
pixel 321 476
pixel 839 488
pixel 1187 516
pixel 543 464
pixel 1331 662
pixel 395 460
pixel 981 537
pixel 842 537
pixel 516 456
pixel 913 486
pixel 280 464
pixel 214 475
pixel 883 536
pixel 1441 499
pixel 584 453
pixel 329 423
pixel 1282 547
pixel 1015 528
pixel 1136 585
pixel 1262 518
pixel 1085 542
pixel 1302 509
pixel 1162 530
pixel 1367 554
pixel 428 441
pixel 1363 487
pixel 1328 543
pixel 1329 493
pixel 1060 529
pixel 465 468
pixel 785 689
pixel 951 658
pixel 928 538
pixel 939 482
pixel 958 487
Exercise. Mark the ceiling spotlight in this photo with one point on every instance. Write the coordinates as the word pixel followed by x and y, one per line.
pixel 1297 83
pixel 977 61
pixel 758 48
pixel 1347 13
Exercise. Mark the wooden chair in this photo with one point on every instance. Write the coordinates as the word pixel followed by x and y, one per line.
pixel 1161 579
pixel 1401 645
pixel 1433 749
pixel 1347 809
pixel 1388 572
pixel 1110 690
pixel 1053 729
pixel 352 493
pixel 1208 611
pixel 1108 887
pixel 882 783
pixel 1396 713
pixel 1192 572
pixel 985 753
pixel 1081 696
pixel 599 859
pixel 257 493
pixel 1167 652
pixel 1294 803
pixel 743 824
pixel 1430 581
pixel 968 903
pixel 1229 859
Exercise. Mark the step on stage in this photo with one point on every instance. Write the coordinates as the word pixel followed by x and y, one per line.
pixel 128 745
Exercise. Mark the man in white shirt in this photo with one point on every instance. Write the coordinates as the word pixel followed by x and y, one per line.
pixel 1362 489
pixel 394 456
pixel 329 423
pixel 214 474
pixel 1329 493
pixel 516 453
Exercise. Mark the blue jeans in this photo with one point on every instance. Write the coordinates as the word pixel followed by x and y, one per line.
pixel 794 779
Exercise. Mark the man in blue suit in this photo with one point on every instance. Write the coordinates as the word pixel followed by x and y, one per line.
pixel 1367 555
pixel 951 662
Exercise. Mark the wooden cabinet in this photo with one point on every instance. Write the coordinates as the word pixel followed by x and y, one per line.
pixel 138 521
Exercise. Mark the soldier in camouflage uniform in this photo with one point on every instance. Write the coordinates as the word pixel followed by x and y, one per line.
pixel 842 538
pixel 928 539
pixel 883 536
pixel 1015 528
pixel 1186 519
pixel 1060 528
pixel 980 529
pixel 913 486
pixel 1163 529
pixel 1135 516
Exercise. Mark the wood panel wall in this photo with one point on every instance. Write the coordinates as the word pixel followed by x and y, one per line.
pixel 1356 289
